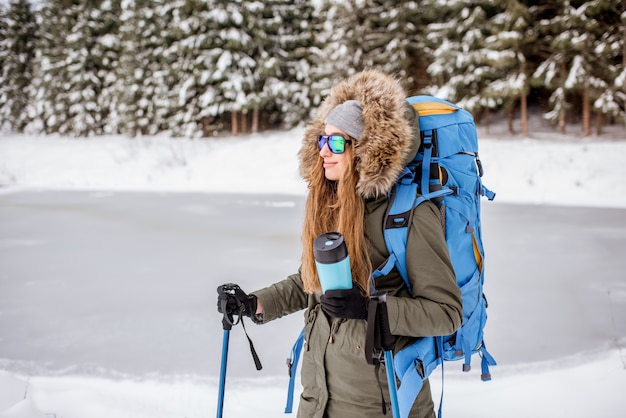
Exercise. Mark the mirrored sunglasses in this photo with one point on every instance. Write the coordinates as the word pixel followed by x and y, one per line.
pixel 336 143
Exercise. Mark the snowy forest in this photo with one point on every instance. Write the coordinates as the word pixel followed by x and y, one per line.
pixel 200 68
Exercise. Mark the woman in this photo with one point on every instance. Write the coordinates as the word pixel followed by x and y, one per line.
pixel 352 153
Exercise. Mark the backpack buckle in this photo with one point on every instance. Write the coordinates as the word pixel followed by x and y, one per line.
pixel 400 220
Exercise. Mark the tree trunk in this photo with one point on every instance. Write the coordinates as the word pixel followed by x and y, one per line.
pixel 562 113
pixel 205 127
pixel 511 117
pixel 486 119
pixel 255 120
pixel 524 114
pixel 586 111
pixel 235 127
pixel 244 122
pixel 599 122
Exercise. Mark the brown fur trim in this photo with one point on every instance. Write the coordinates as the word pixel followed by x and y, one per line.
pixel 387 139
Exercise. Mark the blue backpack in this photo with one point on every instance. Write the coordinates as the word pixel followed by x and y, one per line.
pixel 446 171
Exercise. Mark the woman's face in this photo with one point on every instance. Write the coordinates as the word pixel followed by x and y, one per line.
pixel 335 165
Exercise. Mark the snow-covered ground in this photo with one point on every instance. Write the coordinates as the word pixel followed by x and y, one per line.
pixel 576 172
pixel 557 171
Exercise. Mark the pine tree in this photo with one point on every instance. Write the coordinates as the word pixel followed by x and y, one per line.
pixel 144 78
pixel 288 32
pixel 199 67
pixel 416 40
pixel 513 38
pixel 362 34
pixel 567 69
pixel 46 111
pixel 608 53
pixel 17 51
pixel 235 67
pixel 70 76
pixel 465 63
pixel 3 35
pixel 126 92
pixel 193 39
pixel 106 51
pixel 329 65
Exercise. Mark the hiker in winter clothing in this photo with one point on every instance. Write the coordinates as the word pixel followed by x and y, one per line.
pixel 351 155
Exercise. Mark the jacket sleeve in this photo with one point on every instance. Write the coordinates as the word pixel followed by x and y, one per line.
pixel 436 305
pixel 282 298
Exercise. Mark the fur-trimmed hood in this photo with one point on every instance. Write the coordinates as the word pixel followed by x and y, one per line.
pixel 390 138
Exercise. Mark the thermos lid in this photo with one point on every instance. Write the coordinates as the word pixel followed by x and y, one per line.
pixel 330 248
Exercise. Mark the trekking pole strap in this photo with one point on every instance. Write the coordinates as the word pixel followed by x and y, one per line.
pixel 255 356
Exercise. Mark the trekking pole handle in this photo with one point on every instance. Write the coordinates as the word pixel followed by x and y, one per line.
pixel 387 341
pixel 225 292
pixel 382 321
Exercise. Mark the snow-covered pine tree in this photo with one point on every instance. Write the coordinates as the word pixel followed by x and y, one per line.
pixel 414 41
pixel 465 64
pixel 512 42
pixel 364 34
pixel 234 74
pixel 568 70
pixel 47 111
pixel 106 51
pixel 125 91
pixel 329 56
pixel 192 31
pixel 609 56
pixel 289 35
pixel 140 85
pixel 17 51
pixel 4 50
pixel 71 75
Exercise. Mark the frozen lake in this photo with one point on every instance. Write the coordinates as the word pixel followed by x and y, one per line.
pixel 100 283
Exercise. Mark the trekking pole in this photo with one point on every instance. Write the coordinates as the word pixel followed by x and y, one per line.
pixel 386 343
pixel 226 294
pixel 227 325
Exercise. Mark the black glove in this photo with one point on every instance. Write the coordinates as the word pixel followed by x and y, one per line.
pixel 350 303
pixel 231 300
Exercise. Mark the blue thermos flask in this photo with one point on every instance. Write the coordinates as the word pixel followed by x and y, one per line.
pixel 332 261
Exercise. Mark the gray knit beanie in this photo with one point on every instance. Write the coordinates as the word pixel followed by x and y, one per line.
pixel 348 117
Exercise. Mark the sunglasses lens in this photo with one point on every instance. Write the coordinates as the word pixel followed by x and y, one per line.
pixel 336 143
pixel 321 140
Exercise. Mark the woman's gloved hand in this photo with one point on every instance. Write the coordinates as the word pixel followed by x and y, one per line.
pixel 345 303
pixel 231 300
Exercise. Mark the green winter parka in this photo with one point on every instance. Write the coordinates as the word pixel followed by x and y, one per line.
pixel 336 378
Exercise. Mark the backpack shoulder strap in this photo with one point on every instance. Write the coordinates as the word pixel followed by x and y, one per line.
pixel 395 229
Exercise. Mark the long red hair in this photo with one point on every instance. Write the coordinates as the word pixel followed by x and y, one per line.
pixel 335 206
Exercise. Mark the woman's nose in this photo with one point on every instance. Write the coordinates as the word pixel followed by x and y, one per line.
pixel 325 151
